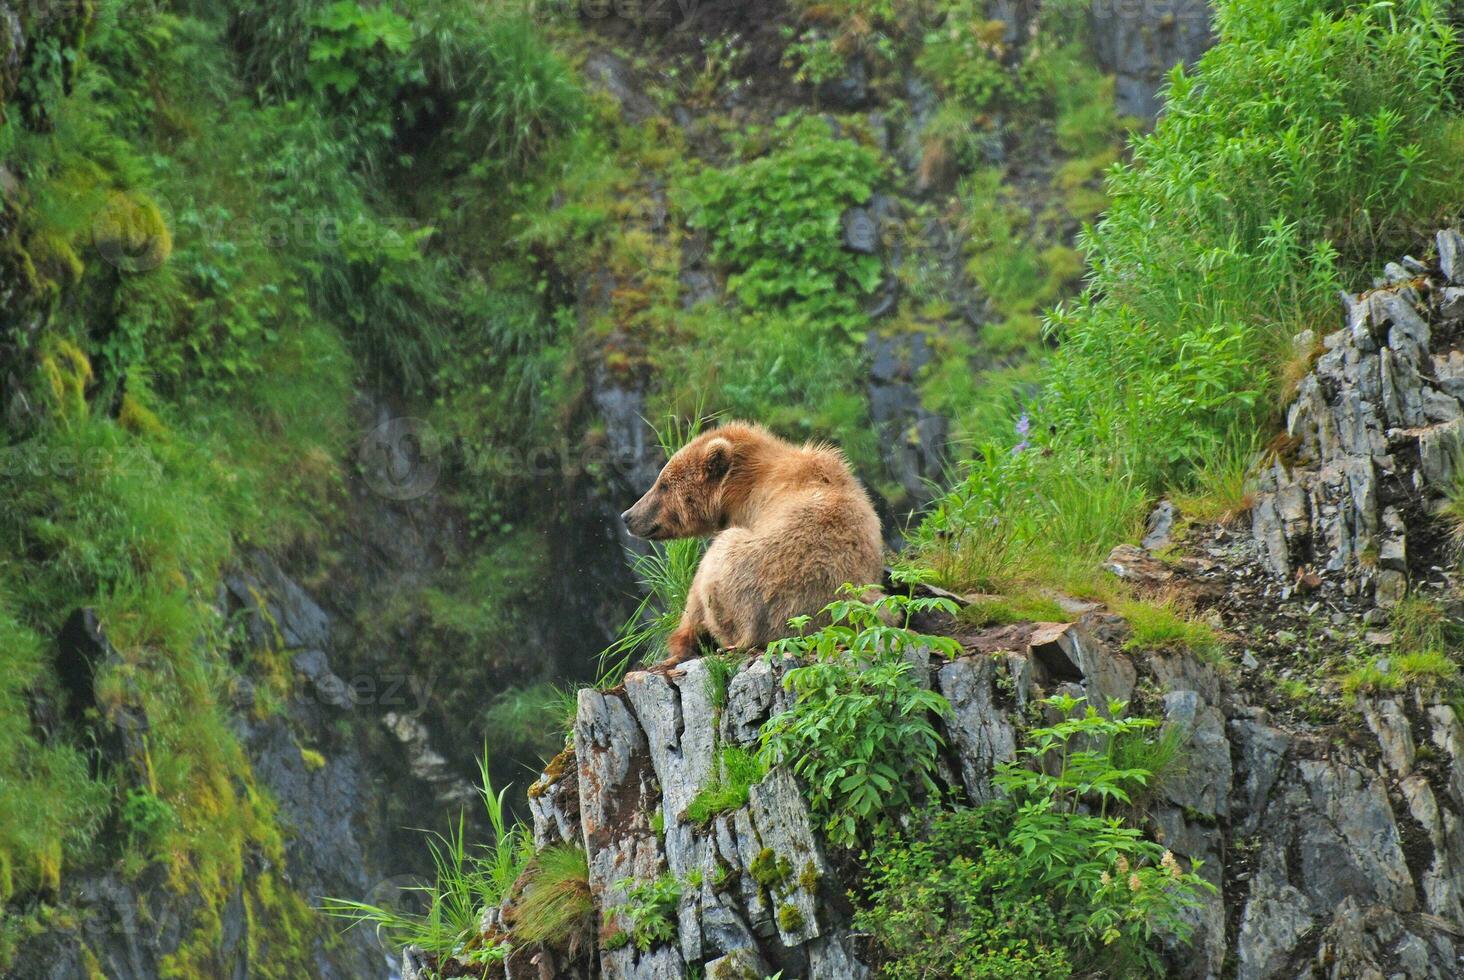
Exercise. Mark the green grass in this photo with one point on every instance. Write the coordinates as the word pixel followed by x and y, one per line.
pixel 1220 489
pixel 1431 670
pixel 664 574
pixel 1423 626
pixel 554 906
pixel 1162 626
pixel 735 771
pixel 466 881
pixel 1265 186
pixel 1003 610
pixel 525 723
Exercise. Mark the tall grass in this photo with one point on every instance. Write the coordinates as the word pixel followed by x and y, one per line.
pixel 466 881
pixel 665 574
pixel 1311 137
pixel 507 94
pixel 555 906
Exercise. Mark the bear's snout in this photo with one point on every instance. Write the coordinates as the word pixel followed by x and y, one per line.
pixel 640 524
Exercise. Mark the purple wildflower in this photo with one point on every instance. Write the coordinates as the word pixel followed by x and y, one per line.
pixel 1024 425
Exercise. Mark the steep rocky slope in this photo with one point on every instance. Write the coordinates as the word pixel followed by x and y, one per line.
pixel 1334 832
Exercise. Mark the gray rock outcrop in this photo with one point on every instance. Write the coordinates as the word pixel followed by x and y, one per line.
pixel 1373 439
pixel 1329 860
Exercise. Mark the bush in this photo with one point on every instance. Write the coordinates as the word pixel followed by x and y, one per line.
pixel 1043 876
pixel 1310 137
pixel 504 96
pixel 775 221
pixel 860 732
pixel 953 903
pixel 650 910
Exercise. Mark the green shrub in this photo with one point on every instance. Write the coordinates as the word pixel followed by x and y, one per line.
pixel 1041 877
pixel 1269 181
pixel 860 732
pixel 1269 167
pixel 953 902
pixel 775 222
pixel 506 96
pixel 147 818
pixel 962 58
pixel 357 63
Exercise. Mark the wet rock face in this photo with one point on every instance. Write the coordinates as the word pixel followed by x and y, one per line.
pixel 1374 438
pixel 1339 859
pixel 1141 41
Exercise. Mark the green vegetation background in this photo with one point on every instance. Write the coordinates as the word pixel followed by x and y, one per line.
pixel 220 221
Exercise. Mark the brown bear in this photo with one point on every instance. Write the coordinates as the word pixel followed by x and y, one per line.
pixel 791 525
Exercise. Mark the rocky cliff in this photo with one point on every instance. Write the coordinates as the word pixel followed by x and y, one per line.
pixel 1329 821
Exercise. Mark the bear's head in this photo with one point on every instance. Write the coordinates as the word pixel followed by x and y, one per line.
pixel 689 498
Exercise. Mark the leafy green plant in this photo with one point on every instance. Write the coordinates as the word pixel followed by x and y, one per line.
pixel 860 732
pixel 962 57
pixel 1042 876
pixel 775 221
pixel 554 905
pixel 650 910
pixel 147 818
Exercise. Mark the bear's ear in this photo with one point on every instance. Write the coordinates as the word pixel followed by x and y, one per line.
pixel 718 459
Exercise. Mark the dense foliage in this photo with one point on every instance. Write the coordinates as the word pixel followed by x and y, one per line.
pixel 1047 880
pixel 221 223
pixel 1274 175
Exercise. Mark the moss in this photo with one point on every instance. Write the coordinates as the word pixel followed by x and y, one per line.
pixel 553 772
pixel 809 879
pixel 769 869
pixel 91 964
pixel 55 259
pixel 137 417
pixel 619 939
pixel 313 760
pixel 790 918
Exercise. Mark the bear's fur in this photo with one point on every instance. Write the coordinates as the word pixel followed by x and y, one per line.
pixel 791 525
